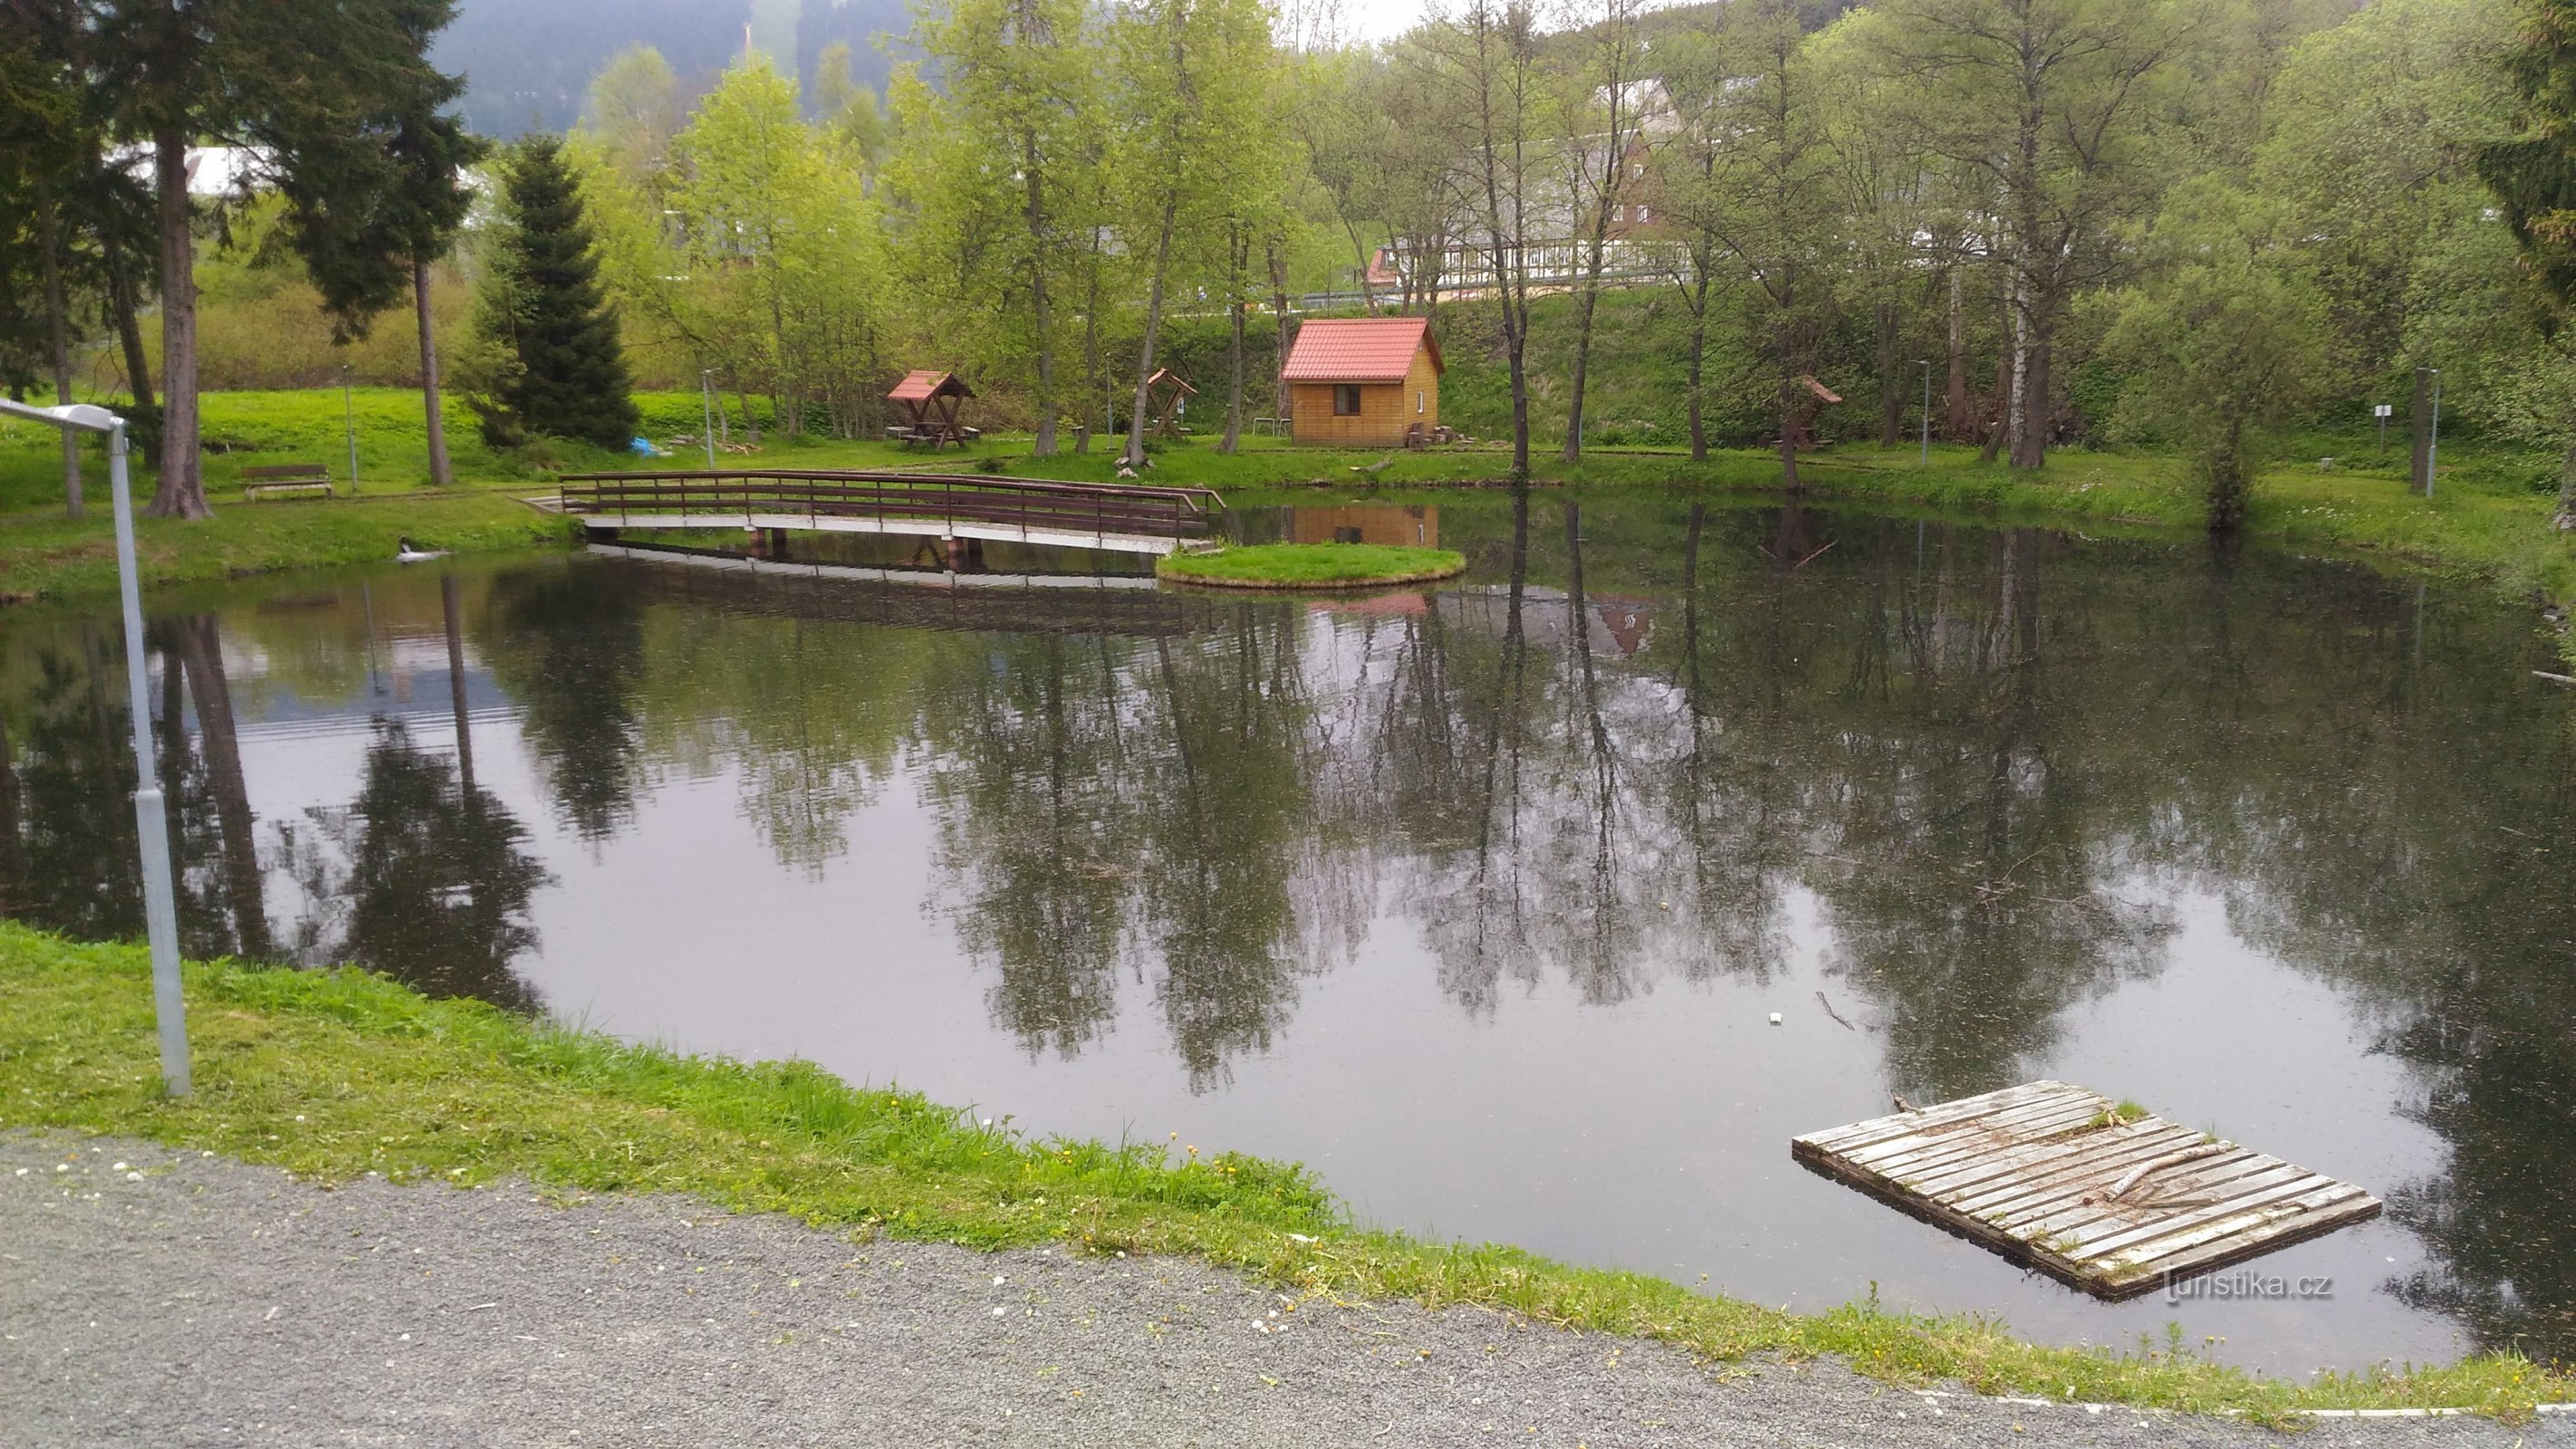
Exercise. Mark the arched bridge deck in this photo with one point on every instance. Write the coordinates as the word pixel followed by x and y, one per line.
pixel 1118 518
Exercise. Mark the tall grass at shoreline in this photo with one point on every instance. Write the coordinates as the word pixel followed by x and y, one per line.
pixel 331 1075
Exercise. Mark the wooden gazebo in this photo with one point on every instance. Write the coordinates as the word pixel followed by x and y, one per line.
pixel 1165 391
pixel 929 399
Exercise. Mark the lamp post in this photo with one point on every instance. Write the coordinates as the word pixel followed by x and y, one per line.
pixel 349 416
pixel 151 826
pixel 1926 364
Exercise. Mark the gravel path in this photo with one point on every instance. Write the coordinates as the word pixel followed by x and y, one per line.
pixel 156 1298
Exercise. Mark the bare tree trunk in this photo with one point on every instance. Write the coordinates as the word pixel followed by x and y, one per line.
pixel 1359 249
pixel 129 331
pixel 1789 437
pixel 1035 211
pixel 2017 392
pixel 1279 335
pixel 1153 327
pixel 1955 390
pixel 1614 168
pixel 440 474
pixel 1698 369
pixel 59 340
pixel 2030 450
pixel 2003 387
pixel 1891 404
pixel 1095 370
pixel 1239 257
pixel 181 492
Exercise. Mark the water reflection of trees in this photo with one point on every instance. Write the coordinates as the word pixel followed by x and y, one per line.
pixel 1143 807
pixel 66 782
pixel 1981 760
pixel 568 645
pixel 424 876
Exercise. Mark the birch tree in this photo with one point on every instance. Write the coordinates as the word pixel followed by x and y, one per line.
pixel 1773 205
pixel 2053 105
pixel 1192 104
pixel 984 162
pixel 1485 59
pixel 1603 100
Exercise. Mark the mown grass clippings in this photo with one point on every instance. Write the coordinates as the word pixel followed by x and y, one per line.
pixel 334 1074
pixel 1312 566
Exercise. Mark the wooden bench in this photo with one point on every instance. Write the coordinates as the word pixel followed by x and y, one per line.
pixel 285 478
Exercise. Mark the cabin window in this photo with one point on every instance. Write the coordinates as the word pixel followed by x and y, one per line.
pixel 1346 399
pixel 1417 404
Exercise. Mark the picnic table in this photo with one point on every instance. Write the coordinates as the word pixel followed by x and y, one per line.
pixel 929 399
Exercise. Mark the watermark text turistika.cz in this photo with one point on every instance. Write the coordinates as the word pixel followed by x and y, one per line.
pixel 2247 1285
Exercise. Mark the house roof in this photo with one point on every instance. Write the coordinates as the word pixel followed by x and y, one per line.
pixel 1359 349
pixel 923 384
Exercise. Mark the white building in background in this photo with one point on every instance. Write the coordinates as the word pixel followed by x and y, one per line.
pixel 213 171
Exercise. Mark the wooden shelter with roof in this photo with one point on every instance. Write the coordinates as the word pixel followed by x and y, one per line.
pixel 1166 393
pixel 929 399
pixel 1371 381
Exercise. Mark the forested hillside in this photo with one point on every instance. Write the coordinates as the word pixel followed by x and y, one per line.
pixel 527 63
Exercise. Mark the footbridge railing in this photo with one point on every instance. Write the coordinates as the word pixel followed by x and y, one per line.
pixel 1123 517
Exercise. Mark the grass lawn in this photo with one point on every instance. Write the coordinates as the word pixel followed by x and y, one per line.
pixel 49 556
pixel 2489 516
pixel 334 1074
pixel 1312 565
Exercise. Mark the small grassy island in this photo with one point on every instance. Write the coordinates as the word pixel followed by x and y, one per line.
pixel 1313 566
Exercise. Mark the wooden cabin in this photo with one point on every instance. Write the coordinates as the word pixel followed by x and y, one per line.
pixel 1371 382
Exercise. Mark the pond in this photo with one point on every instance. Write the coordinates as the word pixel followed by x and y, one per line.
pixel 1477 899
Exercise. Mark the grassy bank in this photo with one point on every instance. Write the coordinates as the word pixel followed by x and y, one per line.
pixel 2489 516
pixel 331 1075
pixel 47 556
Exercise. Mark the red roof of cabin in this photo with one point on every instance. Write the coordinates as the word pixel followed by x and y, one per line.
pixel 923 384
pixel 1358 349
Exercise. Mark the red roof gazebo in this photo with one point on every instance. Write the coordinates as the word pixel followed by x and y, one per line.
pixel 929 398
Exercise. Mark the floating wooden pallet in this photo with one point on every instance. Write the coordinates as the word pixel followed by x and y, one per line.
pixel 2047 1174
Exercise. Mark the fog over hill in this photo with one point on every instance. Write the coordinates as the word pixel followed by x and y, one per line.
pixel 528 62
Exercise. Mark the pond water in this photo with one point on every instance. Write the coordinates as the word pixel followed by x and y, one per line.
pixel 1477 899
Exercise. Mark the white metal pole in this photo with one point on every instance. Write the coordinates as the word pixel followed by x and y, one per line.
pixel 1926 365
pixel 151 827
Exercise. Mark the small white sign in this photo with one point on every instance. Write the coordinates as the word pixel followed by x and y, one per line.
pixel 2383 410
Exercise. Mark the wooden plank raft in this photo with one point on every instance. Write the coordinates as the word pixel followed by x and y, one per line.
pixel 2053 1176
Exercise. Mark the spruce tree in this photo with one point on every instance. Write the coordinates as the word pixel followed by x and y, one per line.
pixel 562 370
pixel 2533 170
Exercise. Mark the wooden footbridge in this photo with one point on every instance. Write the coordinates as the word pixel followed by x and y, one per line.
pixel 1115 517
